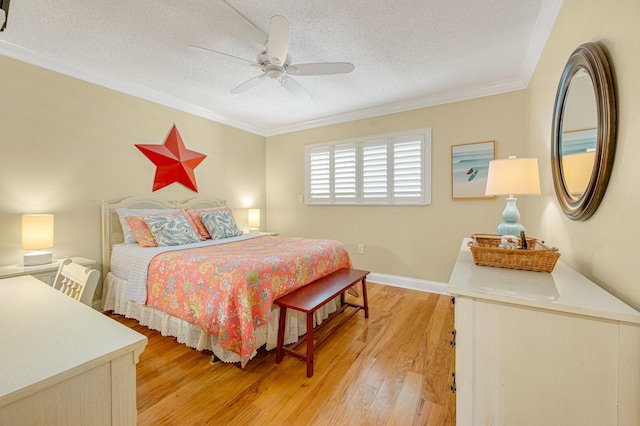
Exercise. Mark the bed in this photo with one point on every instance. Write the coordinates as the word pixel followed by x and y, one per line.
pixel 212 294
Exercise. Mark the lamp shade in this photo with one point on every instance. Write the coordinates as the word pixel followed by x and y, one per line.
pixel 513 176
pixel 253 218
pixel 37 231
pixel 576 171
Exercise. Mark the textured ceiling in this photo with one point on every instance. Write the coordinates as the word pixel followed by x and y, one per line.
pixel 407 53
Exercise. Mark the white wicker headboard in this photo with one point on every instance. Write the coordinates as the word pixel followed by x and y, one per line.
pixel 112 230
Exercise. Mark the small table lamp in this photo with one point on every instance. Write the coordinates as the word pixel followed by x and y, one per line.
pixel 253 219
pixel 509 177
pixel 37 234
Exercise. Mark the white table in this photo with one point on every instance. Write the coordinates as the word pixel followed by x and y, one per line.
pixel 61 362
pixel 534 348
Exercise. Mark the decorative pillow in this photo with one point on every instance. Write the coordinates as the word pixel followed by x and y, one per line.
pixel 143 235
pixel 141 232
pixel 193 225
pixel 220 224
pixel 129 238
pixel 171 230
pixel 195 216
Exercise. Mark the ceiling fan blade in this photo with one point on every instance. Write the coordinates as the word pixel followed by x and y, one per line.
pixel 224 56
pixel 248 84
pixel 295 88
pixel 278 45
pixel 324 68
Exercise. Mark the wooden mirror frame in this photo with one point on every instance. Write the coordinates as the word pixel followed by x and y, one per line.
pixel 591 58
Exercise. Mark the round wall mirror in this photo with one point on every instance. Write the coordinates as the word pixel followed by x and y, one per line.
pixel 584 132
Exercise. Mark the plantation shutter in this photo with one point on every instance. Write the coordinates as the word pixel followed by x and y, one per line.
pixel 408 169
pixel 390 169
pixel 375 176
pixel 345 174
pixel 319 175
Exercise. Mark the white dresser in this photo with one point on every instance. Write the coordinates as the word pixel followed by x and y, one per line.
pixel 61 362
pixel 534 348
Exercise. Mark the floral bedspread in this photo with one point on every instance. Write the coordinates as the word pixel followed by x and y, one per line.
pixel 228 289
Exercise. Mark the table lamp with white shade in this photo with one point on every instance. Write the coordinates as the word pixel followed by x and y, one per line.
pixel 37 235
pixel 512 176
pixel 253 219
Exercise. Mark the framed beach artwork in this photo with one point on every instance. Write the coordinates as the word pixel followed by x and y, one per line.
pixel 579 141
pixel 469 167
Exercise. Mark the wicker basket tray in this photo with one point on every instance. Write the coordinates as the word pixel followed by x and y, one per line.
pixel 486 251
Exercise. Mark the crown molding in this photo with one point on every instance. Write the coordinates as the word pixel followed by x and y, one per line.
pixel 99 78
pixel 542 29
pixel 413 104
pixel 102 79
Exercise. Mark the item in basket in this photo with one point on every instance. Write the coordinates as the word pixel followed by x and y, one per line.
pixel 509 242
pixel 523 241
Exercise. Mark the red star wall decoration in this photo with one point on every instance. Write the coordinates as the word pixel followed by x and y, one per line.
pixel 175 163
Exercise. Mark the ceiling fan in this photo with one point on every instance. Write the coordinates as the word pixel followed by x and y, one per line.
pixel 275 62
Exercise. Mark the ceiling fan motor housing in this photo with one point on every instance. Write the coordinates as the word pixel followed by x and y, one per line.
pixel 270 62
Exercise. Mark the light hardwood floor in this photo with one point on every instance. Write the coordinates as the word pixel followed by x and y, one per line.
pixel 393 368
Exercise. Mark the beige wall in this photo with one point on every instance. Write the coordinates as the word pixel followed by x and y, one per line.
pixel 67 145
pixel 413 241
pixel 605 247
pixel 422 242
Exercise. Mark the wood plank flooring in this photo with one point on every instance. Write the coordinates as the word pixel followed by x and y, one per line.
pixel 391 369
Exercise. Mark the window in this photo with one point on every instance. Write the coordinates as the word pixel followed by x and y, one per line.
pixel 391 169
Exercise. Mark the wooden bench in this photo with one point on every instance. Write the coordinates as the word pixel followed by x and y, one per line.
pixel 310 298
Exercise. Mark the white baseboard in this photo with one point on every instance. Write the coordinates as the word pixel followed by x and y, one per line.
pixel 392 280
pixel 408 283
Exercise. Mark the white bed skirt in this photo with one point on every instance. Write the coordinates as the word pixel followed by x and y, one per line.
pixel 193 336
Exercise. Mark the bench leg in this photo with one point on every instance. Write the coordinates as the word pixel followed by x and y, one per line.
pixel 281 324
pixel 365 301
pixel 309 344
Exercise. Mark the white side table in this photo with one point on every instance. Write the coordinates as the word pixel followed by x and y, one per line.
pixel 45 273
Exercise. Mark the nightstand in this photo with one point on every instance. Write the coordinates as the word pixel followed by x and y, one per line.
pixel 45 273
pixel 273 234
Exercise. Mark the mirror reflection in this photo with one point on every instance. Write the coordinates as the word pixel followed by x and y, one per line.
pixel 584 132
pixel 579 134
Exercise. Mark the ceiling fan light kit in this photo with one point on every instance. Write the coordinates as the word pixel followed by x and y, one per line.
pixel 275 62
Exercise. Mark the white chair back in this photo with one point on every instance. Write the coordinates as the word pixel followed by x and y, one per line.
pixel 77 281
